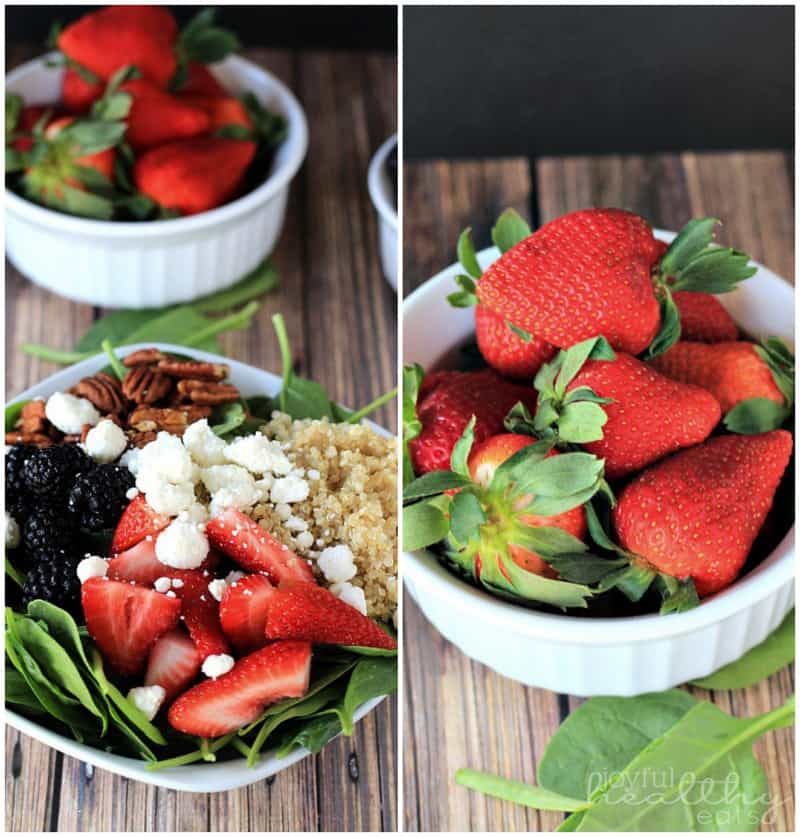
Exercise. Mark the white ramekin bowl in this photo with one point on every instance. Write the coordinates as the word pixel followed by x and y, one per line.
pixel 155 263
pixel 587 656
pixel 199 777
pixel 383 198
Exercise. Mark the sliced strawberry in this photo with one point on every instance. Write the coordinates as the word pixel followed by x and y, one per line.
pixel 173 664
pixel 254 549
pixel 243 612
pixel 217 707
pixel 200 612
pixel 140 564
pixel 137 522
pixel 307 611
pixel 126 620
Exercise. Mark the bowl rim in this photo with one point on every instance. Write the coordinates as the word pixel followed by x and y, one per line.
pixel 377 186
pixel 233 773
pixel 423 567
pixel 296 141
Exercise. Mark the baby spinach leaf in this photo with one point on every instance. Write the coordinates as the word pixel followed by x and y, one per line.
pixel 121 708
pixel 62 627
pixel 773 654
pixel 228 418
pixel 14 574
pixel 313 734
pixel 57 665
pixel 700 775
pixel 603 735
pixel 365 651
pixel 19 693
pixel 518 792
pixel 301 709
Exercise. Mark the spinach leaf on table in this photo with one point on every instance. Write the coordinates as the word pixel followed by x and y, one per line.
pixel 19 693
pixel 606 734
pixel 700 775
pixel 770 656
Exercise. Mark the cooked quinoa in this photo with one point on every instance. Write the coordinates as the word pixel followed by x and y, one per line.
pixel 351 473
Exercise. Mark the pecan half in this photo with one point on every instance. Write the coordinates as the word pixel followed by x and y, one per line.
pixel 20 437
pixel 194 369
pixel 173 420
pixel 33 421
pixel 143 357
pixel 145 385
pixel 139 440
pixel 104 391
pixel 208 392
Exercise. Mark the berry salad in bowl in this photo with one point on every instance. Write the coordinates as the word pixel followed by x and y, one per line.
pixel 201 565
pixel 597 423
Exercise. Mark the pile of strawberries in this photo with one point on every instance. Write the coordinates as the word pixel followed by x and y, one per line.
pixel 620 406
pixel 267 619
pixel 143 129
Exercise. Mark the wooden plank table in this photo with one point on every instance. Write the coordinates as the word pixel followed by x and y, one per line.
pixel 341 317
pixel 457 712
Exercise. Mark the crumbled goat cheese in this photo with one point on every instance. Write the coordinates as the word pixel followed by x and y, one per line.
pixel 216 665
pixel 12 532
pixel 233 576
pixel 304 540
pixel 205 447
pixel 258 454
pixel 182 545
pixel 162 584
pixel 92 566
pixel 132 493
pixel 166 498
pixel 165 458
pixel 237 483
pixel 296 524
pixel 196 513
pixel 264 485
pixel 177 583
pixel 354 596
pixel 336 563
pixel 313 474
pixel 217 588
pixel 130 460
pixel 284 511
pixel 69 413
pixel 289 489
pixel 147 699
pixel 105 442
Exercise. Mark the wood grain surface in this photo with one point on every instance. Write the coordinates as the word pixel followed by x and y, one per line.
pixel 458 713
pixel 341 317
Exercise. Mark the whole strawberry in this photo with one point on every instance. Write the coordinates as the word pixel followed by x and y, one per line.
pixel 601 271
pixel 504 350
pixel 696 514
pixel 193 175
pixel 757 382
pixel 512 353
pixel 446 410
pixel 157 117
pixel 509 512
pixel 108 39
pixel 703 318
pixel 484 460
pixel 619 408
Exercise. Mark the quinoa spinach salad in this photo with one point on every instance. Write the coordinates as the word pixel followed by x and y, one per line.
pixel 193 575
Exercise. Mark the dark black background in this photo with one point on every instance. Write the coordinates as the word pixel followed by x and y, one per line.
pixel 342 27
pixel 535 80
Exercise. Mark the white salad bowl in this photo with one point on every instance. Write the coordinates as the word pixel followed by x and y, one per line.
pixel 201 777
pixel 598 656
pixel 146 264
pixel 382 194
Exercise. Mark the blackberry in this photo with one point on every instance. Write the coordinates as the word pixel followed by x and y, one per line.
pixel 98 498
pixel 51 471
pixel 47 528
pixel 56 583
pixel 18 503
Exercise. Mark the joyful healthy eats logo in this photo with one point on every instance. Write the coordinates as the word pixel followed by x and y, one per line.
pixel 719 802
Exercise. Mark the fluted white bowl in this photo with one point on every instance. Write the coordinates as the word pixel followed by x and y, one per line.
pixel 602 656
pixel 383 199
pixel 147 264
pixel 201 777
